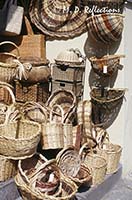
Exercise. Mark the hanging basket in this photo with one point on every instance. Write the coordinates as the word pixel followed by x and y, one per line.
pixel 111 153
pixel 106 105
pixel 19 139
pixel 8 168
pixel 95 163
pixel 106 27
pixel 107 65
pixel 8 64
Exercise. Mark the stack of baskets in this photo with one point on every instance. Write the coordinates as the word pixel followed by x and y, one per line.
pixel 17 141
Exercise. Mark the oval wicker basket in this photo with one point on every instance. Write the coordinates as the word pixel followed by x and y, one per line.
pixel 7 64
pixel 98 27
pixel 19 139
pixel 8 168
pixel 95 163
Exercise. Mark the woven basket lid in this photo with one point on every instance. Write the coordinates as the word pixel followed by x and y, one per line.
pixel 54 18
pixel 106 27
pixel 68 57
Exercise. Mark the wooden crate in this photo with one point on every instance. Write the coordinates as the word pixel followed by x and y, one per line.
pixel 76 87
pixel 37 92
pixel 68 73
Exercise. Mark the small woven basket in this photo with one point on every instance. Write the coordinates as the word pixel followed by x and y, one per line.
pixel 111 153
pixel 96 164
pixel 106 105
pixel 7 64
pixel 8 168
pixel 107 65
pixel 52 132
pixel 19 139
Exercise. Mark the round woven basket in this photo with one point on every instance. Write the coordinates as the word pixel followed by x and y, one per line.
pixel 19 139
pixel 7 63
pixel 97 165
pixel 8 168
pixel 106 105
pixel 111 153
pixel 107 65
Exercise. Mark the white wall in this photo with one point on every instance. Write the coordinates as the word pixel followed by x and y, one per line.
pixel 120 131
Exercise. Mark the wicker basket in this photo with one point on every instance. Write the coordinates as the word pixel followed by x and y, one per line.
pixel 106 105
pixel 31 92
pixel 52 132
pixel 66 99
pixel 8 168
pixel 107 65
pixel 19 139
pixel 96 164
pixel 111 153
pixel 7 64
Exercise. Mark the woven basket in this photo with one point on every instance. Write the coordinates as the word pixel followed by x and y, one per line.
pixel 106 105
pixel 111 153
pixel 69 161
pixel 95 163
pixel 107 65
pixel 6 99
pixel 106 27
pixel 66 99
pixel 19 139
pixel 8 168
pixel 8 64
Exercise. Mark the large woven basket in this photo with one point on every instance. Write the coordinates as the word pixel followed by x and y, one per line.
pixel 111 153
pixel 8 168
pixel 8 64
pixel 66 99
pixel 19 139
pixel 106 27
pixel 95 163
pixel 106 105
pixel 107 65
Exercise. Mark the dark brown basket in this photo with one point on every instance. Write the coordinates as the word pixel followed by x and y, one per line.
pixel 26 92
pixel 106 105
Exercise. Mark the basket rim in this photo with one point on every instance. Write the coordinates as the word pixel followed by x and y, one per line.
pixel 109 100
pixel 22 139
pixel 113 152
pixel 105 58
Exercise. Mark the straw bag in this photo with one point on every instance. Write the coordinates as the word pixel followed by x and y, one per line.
pixel 11 17
pixel 52 132
pixel 106 105
pixel 30 45
pixel 107 65
pixel 95 163
pixel 68 160
pixel 111 153
pixel 106 27
pixel 8 63
pixel 8 168
pixel 19 139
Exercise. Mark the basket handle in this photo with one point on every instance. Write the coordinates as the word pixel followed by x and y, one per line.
pixel 13 44
pixel 52 111
pixel 33 105
pixel 28 26
pixel 8 88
